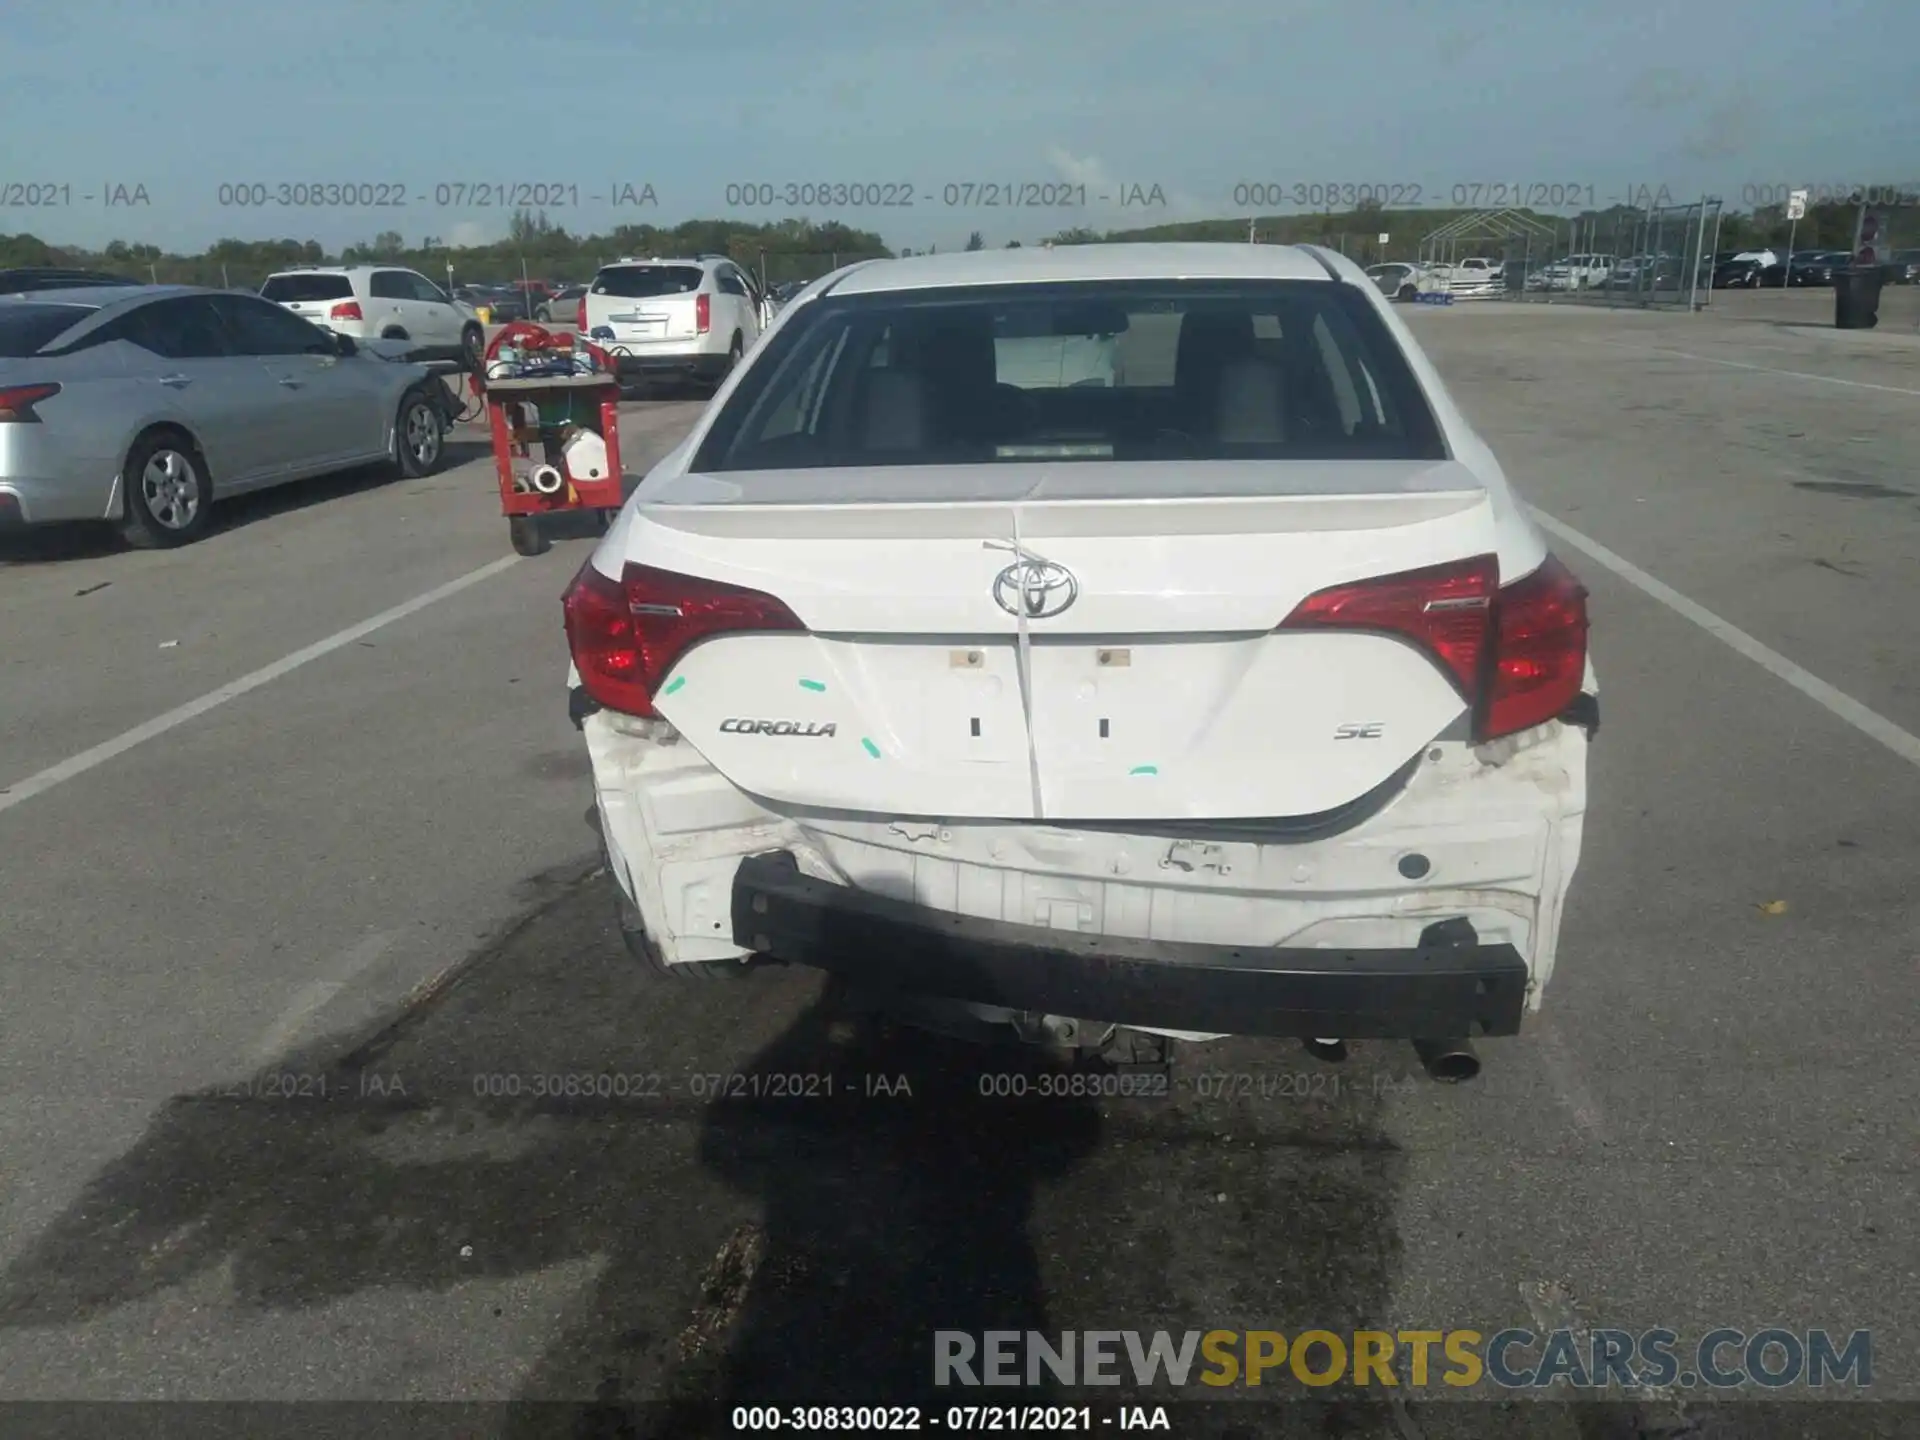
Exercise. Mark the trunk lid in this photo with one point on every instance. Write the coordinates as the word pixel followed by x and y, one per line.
pixel 1151 685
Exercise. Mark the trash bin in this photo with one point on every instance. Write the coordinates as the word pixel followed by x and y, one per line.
pixel 1856 298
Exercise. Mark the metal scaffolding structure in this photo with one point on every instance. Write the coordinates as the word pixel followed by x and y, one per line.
pixel 1519 239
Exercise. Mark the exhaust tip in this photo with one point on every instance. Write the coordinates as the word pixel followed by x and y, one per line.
pixel 1332 1051
pixel 1451 1062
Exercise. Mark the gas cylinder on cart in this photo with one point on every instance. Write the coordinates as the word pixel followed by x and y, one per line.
pixel 586 456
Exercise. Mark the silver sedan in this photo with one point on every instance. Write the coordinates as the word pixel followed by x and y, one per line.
pixel 145 405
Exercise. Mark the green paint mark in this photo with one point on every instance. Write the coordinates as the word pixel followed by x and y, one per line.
pixel 1144 770
pixel 871 748
pixel 812 685
pixel 674 684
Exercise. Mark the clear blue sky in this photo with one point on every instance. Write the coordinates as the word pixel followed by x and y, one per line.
pixel 185 95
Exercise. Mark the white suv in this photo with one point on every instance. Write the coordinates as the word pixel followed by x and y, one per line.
pixel 1235 693
pixel 674 319
pixel 382 302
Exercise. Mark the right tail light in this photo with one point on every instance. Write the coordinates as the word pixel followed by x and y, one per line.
pixel 1539 650
pixel 1517 653
pixel 580 320
pixel 703 313
pixel 346 310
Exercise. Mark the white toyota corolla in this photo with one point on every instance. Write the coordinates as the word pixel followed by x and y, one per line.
pixel 1224 688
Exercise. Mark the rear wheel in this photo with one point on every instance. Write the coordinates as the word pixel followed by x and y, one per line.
pixel 473 348
pixel 169 499
pixel 1407 292
pixel 418 441
pixel 734 352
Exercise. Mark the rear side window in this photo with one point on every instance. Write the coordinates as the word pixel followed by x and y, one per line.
pixel 258 328
pixel 281 288
pixel 648 282
pixel 26 328
pixel 1104 371
pixel 184 328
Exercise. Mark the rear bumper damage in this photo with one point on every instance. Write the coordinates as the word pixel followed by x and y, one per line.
pixel 1436 913
pixel 1448 984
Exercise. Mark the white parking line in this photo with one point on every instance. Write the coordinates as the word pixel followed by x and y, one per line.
pixel 1767 369
pixel 340 972
pixel 1868 722
pixel 45 780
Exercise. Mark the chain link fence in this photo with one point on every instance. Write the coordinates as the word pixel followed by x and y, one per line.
pixel 787 267
pixel 1662 256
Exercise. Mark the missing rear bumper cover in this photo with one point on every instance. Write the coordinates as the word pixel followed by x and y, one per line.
pixel 1448 984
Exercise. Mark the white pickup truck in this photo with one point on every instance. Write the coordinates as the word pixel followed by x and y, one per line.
pixel 1477 276
pixel 1573 272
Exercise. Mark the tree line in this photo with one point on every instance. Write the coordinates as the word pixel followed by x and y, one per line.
pixel 798 249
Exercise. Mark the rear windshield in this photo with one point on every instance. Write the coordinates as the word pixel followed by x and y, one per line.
pixel 25 328
pixel 307 287
pixel 1172 370
pixel 647 282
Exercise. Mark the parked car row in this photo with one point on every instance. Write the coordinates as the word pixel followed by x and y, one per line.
pixel 143 405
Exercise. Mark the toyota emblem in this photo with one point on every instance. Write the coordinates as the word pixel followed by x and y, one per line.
pixel 1035 588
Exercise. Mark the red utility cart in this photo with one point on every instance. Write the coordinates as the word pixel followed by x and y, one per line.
pixel 538 421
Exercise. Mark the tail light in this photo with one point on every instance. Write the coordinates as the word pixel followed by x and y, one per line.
pixel 580 320
pixel 346 310
pixel 626 635
pixel 1518 654
pixel 703 313
pixel 1539 650
pixel 17 402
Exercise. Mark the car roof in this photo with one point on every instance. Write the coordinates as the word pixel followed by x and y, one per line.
pixel 1040 265
pixel 102 296
pixel 698 261
pixel 338 269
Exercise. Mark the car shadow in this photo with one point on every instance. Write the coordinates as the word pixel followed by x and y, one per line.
pixel 91 540
pixel 775 1196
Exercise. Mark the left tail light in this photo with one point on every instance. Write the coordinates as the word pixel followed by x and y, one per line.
pixel 703 313
pixel 626 635
pixel 17 402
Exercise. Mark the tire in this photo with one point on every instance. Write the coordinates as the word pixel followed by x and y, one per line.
pixel 473 348
pixel 168 495
pixel 734 352
pixel 527 535
pixel 1408 293
pixel 395 334
pixel 419 443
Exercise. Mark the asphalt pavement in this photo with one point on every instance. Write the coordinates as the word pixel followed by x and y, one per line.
pixel 281 972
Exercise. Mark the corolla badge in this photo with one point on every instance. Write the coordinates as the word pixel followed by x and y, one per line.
pixel 1036 588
